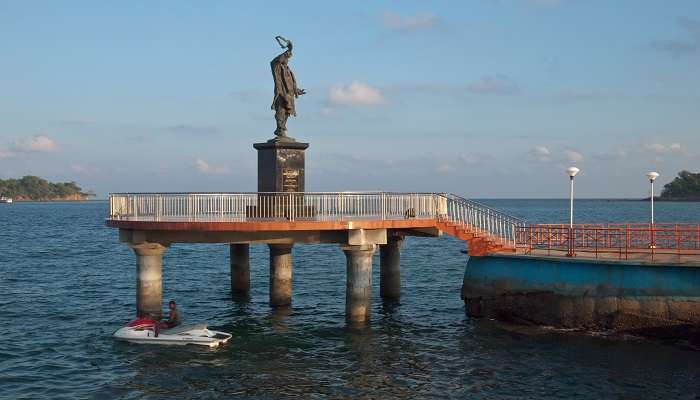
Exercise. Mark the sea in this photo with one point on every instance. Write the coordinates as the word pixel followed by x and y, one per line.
pixel 67 283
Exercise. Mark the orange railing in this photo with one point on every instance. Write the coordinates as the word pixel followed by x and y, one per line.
pixel 610 240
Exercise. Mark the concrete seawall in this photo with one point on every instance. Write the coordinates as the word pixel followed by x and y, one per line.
pixel 648 299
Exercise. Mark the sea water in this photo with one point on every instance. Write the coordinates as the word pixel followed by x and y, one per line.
pixel 67 283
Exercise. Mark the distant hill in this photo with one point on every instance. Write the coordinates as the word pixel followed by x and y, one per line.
pixel 685 187
pixel 33 188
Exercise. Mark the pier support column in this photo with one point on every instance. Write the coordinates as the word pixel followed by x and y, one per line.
pixel 240 269
pixel 358 292
pixel 390 269
pixel 149 279
pixel 280 275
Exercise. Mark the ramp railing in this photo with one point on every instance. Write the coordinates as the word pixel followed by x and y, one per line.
pixel 479 218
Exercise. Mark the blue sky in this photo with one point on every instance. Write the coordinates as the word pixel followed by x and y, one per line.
pixel 485 98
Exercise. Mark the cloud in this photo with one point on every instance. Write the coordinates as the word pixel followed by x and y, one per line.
pixel 207 169
pixel 356 93
pixel 77 168
pixel 423 20
pixel 541 153
pixel 611 155
pixel 497 84
pixel 5 153
pixel 544 154
pixel 185 129
pixel 573 156
pixel 35 144
pixel 460 163
pixel 687 46
pixel 659 148
pixel 471 159
pixel 444 168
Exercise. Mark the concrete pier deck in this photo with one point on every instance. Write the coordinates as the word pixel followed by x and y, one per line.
pixel 361 223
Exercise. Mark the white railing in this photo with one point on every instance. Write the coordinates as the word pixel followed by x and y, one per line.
pixel 482 219
pixel 295 206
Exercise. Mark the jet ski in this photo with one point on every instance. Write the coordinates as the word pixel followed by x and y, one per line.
pixel 143 330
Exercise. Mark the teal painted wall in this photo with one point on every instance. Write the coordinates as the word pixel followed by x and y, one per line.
pixel 581 278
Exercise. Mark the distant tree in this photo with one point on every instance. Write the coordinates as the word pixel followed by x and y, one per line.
pixel 686 186
pixel 34 188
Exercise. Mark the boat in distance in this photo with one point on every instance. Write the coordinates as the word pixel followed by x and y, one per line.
pixel 143 331
pixel 6 200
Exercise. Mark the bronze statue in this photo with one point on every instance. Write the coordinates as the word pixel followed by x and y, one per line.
pixel 285 87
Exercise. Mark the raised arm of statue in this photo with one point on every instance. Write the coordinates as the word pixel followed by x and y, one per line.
pixel 284 43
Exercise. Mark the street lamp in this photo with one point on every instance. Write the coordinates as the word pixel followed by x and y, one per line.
pixel 571 171
pixel 652 177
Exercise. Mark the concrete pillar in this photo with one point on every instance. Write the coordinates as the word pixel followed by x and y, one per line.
pixel 280 275
pixel 149 279
pixel 358 292
pixel 390 268
pixel 240 269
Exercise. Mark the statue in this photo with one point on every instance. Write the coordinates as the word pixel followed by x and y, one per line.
pixel 285 87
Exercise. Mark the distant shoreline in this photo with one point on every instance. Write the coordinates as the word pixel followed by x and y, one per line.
pixel 673 200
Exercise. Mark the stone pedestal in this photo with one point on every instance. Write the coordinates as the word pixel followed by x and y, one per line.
pixel 280 275
pixel 280 170
pixel 390 269
pixel 149 279
pixel 240 269
pixel 358 294
pixel 281 165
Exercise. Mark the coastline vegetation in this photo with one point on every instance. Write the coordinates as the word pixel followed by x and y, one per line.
pixel 33 188
pixel 685 187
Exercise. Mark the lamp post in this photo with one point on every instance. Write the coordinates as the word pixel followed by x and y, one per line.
pixel 571 171
pixel 652 177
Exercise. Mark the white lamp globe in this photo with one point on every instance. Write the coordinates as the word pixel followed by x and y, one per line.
pixel 652 176
pixel 572 171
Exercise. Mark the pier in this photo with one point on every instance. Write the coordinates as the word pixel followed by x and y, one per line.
pixel 359 223
pixel 362 223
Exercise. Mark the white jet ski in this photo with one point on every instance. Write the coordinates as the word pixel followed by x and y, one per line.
pixel 142 330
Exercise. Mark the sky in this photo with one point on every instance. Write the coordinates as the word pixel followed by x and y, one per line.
pixel 482 98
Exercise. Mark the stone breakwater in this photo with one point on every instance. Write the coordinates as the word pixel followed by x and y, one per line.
pixel 646 299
